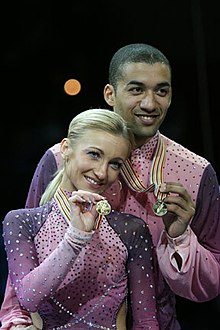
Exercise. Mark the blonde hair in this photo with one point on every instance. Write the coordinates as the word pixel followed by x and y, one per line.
pixel 97 119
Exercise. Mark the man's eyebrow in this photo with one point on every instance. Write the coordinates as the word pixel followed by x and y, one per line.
pixel 164 84
pixel 139 83
pixel 135 82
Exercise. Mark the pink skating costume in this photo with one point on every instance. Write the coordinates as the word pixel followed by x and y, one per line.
pixel 79 280
pixel 199 247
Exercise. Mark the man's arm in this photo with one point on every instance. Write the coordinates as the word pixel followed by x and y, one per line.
pixel 198 278
pixel 43 174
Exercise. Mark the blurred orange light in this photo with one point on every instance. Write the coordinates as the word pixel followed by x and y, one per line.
pixel 72 87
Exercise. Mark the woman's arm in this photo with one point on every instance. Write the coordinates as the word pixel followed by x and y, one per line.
pixel 141 285
pixel 11 312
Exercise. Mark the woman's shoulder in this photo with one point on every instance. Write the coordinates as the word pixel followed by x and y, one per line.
pixel 28 215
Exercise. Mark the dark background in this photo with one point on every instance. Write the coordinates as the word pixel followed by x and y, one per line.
pixel 44 43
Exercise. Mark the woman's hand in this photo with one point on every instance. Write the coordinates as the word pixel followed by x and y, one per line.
pixel 23 327
pixel 83 209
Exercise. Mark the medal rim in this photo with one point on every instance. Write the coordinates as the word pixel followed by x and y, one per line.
pixel 164 211
pixel 107 205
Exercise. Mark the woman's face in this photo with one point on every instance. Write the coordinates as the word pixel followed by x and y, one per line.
pixel 95 161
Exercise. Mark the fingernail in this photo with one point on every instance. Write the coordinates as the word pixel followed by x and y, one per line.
pixel 163 187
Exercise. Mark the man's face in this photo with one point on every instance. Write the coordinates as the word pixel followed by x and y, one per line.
pixel 142 97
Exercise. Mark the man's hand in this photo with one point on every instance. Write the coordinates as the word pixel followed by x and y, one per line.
pixel 180 208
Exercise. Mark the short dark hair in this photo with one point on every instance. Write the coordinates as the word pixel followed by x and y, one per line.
pixel 133 53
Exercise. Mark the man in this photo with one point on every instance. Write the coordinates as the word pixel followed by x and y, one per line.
pixel 174 190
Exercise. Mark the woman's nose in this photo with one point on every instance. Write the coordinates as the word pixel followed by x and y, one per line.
pixel 101 171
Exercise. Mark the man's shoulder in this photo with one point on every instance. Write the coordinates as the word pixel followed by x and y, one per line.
pixel 179 151
pixel 55 149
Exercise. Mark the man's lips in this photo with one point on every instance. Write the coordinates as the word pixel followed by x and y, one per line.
pixel 147 119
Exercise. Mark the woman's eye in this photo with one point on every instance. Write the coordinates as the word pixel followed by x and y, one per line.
pixel 93 154
pixel 116 165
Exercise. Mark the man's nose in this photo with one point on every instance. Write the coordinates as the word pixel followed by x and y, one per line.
pixel 148 101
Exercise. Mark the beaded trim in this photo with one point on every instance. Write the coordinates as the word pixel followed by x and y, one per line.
pixel 82 319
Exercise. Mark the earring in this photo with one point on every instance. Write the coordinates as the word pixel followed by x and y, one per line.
pixel 120 188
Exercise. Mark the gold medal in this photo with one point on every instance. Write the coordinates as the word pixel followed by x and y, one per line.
pixel 160 208
pixel 103 207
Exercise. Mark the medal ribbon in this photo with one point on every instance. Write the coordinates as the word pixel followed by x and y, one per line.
pixel 63 203
pixel 156 174
pixel 132 179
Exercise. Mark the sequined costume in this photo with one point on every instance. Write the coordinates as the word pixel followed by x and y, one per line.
pixel 78 280
pixel 199 246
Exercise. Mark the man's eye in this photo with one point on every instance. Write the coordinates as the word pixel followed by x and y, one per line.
pixel 163 91
pixel 136 90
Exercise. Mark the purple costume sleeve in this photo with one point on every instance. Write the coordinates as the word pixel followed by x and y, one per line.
pixel 11 311
pixel 141 286
pixel 44 173
pixel 20 227
pixel 199 247
pixel 207 218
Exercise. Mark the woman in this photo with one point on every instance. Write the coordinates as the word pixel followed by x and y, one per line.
pixel 78 263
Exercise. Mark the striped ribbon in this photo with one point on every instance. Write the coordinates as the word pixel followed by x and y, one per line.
pixel 64 207
pixel 63 203
pixel 156 173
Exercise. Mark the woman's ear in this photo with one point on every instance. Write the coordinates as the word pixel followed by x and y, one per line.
pixel 109 95
pixel 64 148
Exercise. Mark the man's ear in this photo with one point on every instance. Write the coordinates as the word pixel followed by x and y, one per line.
pixel 171 91
pixel 109 95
